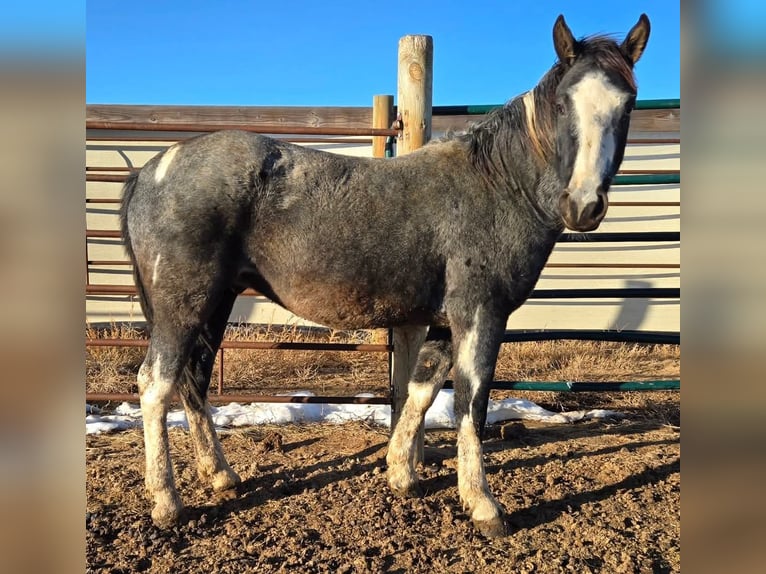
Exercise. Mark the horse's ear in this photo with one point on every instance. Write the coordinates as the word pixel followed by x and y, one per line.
pixel 563 40
pixel 636 40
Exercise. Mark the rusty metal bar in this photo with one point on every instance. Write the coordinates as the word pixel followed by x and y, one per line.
pixel 92 289
pixel 97 263
pixel 100 289
pixel 106 177
pixel 103 233
pixel 618 293
pixel 245 398
pixel 220 370
pixel 263 129
pixel 258 345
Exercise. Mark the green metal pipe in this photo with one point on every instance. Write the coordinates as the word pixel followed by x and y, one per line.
pixel 607 386
pixel 647 179
pixel 613 386
pixel 463 110
pixel 661 104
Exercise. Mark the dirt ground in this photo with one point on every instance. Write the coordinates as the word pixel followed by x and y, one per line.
pixel 588 497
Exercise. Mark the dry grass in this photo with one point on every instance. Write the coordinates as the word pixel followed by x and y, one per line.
pixel 112 369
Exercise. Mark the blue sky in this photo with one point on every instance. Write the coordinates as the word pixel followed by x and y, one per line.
pixel 342 52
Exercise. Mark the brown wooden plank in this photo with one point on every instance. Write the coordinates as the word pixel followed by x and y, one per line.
pixel 317 116
pixel 227 115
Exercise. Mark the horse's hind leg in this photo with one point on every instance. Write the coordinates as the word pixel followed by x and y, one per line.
pixel 156 382
pixel 211 463
pixel 433 365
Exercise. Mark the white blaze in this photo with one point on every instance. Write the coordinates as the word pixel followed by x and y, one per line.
pixel 597 104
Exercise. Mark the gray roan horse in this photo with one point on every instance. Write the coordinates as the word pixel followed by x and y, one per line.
pixel 452 236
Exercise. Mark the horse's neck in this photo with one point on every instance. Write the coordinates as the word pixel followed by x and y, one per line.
pixel 533 180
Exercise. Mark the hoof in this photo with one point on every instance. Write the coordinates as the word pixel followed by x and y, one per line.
pixel 166 513
pixel 405 488
pixel 493 528
pixel 225 480
pixel 407 491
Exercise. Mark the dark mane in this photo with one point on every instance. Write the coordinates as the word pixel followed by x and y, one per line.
pixel 531 116
pixel 608 56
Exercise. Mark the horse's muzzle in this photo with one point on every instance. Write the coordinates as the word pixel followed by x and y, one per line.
pixel 579 216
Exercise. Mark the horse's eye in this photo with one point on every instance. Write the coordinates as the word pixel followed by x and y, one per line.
pixel 560 109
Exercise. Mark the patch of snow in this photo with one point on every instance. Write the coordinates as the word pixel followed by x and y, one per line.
pixel 440 415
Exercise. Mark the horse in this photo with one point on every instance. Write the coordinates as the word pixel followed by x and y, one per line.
pixel 446 241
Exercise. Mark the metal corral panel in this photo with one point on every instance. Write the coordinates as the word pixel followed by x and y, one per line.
pixel 573 265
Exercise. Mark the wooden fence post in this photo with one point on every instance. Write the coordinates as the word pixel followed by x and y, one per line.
pixel 415 86
pixel 382 112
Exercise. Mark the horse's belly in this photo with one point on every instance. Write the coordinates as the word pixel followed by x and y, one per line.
pixel 346 307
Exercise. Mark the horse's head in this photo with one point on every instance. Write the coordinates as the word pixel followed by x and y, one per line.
pixel 593 102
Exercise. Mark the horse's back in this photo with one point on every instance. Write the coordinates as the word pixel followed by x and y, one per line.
pixel 335 239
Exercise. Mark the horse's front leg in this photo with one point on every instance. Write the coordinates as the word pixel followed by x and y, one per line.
pixel 476 346
pixel 433 365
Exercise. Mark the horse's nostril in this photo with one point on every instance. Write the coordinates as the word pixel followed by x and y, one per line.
pixel 599 206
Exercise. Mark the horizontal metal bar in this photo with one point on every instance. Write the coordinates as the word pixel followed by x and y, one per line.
pixel 103 233
pixel 476 109
pixel 106 177
pixel 613 336
pixel 606 386
pixel 108 168
pixel 257 345
pixel 103 262
pixel 650 141
pixel 626 177
pixel 96 289
pixel 620 237
pixel 248 398
pixel 621 293
pixel 600 237
pixel 616 293
pixel 103 200
pixel 123 263
pixel 647 179
pixel 647 171
pixel 659 104
pixel 644 203
pixel 612 265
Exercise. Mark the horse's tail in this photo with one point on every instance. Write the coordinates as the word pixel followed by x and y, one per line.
pixel 128 190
